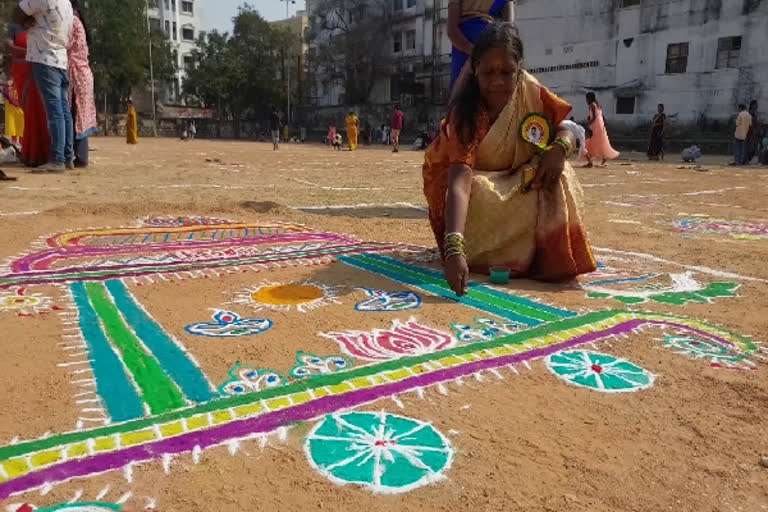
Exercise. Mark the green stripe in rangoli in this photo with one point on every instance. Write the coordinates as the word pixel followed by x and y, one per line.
pixel 435 276
pixel 314 383
pixel 586 322
pixel 476 297
pixel 157 390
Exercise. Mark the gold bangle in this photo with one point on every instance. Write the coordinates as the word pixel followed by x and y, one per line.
pixel 565 144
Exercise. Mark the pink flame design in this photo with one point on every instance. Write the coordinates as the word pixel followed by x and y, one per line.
pixel 402 340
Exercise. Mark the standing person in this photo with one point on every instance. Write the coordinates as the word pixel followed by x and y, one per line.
pixel 286 133
pixel 656 144
pixel 331 134
pixel 81 97
pixel 48 39
pixel 467 19
pixel 397 126
pixel 14 114
pixel 752 143
pixel 274 128
pixel 192 130
pixel 598 144
pixel 36 147
pixel 743 124
pixel 352 126
pixel 132 124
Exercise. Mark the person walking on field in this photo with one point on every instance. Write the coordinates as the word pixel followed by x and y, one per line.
pixel 598 144
pixel 274 128
pixel 397 123
pixel 656 144
pixel 131 124
pixel 743 124
pixel 752 143
pixel 50 23
pixel 81 97
pixel 352 129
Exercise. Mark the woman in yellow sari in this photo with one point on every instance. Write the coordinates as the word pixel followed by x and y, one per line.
pixel 132 124
pixel 497 180
pixel 352 127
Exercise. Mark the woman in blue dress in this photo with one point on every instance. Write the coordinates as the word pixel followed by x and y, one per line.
pixel 467 19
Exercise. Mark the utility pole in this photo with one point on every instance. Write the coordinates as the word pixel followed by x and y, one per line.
pixel 151 70
pixel 289 65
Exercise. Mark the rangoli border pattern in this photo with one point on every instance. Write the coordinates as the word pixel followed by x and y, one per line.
pixel 58 458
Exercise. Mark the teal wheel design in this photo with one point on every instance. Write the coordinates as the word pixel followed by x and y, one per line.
pixel 600 372
pixel 383 452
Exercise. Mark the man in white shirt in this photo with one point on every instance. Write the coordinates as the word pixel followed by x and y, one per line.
pixel 50 23
pixel 743 123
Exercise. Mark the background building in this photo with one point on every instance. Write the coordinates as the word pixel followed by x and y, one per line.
pixel 294 57
pixel 182 22
pixel 698 57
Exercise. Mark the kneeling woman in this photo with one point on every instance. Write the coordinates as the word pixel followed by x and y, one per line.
pixel 497 180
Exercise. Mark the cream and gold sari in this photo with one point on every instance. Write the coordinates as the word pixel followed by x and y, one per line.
pixel 538 234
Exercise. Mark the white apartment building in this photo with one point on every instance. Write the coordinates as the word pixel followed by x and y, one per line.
pixel 419 49
pixel 701 58
pixel 698 57
pixel 182 22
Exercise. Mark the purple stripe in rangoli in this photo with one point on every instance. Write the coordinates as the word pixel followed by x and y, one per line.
pixel 27 263
pixel 699 332
pixel 271 421
pixel 132 271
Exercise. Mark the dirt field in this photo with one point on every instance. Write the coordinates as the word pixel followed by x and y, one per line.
pixel 214 326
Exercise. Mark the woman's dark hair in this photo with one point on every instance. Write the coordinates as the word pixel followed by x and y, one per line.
pixel 662 106
pixel 77 7
pixel 591 98
pixel 466 104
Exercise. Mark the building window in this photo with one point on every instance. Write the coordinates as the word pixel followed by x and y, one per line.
pixel 175 32
pixel 167 5
pixel 187 34
pixel 629 3
pixel 625 105
pixel 189 62
pixel 397 5
pixel 167 28
pixel 410 40
pixel 173 5
pixel 677 58
pixel 154 24
pixel 410 3
pixel 397 42
pixel 187 7
pixel 728 52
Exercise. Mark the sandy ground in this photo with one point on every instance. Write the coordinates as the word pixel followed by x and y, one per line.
pixel 521 438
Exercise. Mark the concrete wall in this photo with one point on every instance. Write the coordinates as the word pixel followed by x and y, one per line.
pixel 629 46
pixel 575 46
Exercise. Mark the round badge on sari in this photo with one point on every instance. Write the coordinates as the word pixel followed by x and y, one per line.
pixel 537 130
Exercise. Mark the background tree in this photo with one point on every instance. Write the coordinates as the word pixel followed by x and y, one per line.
pixel 239 75
pixel 351 42
pixel 119 50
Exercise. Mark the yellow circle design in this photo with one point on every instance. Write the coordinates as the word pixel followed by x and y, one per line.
pixel 18 302
pixel 287 294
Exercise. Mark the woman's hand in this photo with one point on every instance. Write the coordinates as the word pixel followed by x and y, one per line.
pixel 551 168
pixel 457 274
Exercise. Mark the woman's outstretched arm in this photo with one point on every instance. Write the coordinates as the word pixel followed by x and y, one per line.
pixel 457 205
